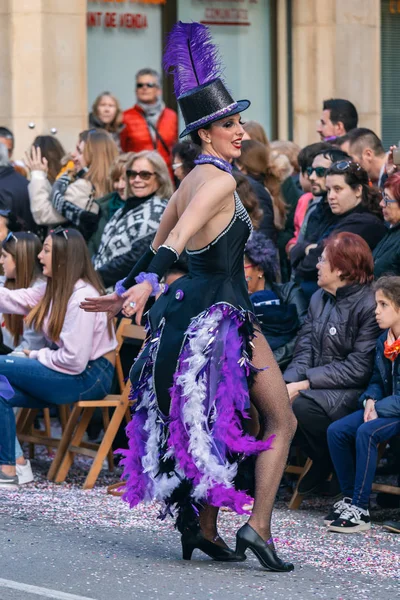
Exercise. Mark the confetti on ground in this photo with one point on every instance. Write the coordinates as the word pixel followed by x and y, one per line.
pixel 299 535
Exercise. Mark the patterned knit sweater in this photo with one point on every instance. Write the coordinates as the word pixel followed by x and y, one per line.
pixel 127 236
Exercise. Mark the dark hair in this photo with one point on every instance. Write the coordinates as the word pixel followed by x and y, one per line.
pixel 355 176
pixel 52 150
pixel 262 253
pixel 342 111
pixel 7 134
pixel 334 154
pixel 308 153
pixel 188 152
pixel 390 286
pixel 248 198
pixel 393 183
pixel 24 247
pixel 179 267
pixel 350 254
pixel 194 135
pixel 362 138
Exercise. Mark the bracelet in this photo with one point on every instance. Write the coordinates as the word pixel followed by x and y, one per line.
pixel 151 278
pixel 120 289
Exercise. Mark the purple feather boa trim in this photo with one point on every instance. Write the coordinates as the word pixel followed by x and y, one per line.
pixel 151 278
pixel 228 405
pixel 120 289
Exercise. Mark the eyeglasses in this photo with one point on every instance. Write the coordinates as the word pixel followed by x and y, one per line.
pixel 60 231
pixel 386 200
pixel 345 165
pixel 145 175
pixel 139 86
pixel 176 166
pixel 319 171
pixel 11 236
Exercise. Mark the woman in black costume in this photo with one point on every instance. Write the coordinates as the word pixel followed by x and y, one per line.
pixel 205 356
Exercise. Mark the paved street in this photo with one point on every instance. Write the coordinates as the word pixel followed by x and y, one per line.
pixel 86 544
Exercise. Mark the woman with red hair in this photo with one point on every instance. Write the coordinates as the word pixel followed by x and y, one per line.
pixel 334 353
pixel 387 253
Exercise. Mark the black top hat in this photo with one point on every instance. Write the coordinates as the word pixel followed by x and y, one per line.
pixel 207 103
pixel 194 61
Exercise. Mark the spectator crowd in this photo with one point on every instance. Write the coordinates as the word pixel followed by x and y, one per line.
pixel 322 268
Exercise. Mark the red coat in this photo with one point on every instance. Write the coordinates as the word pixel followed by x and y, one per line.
pixel 136 137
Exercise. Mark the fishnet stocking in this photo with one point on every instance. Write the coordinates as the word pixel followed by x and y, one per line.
pixel 270 397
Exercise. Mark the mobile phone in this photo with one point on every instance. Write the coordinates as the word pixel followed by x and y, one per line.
pixel 396 156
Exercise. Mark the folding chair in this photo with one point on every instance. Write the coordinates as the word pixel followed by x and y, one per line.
pixel 82 411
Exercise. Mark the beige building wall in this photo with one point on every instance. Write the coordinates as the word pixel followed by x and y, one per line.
pixel 43 69
pixel 335 53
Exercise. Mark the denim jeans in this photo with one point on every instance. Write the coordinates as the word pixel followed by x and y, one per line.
pixel 37 386
pixel 353 445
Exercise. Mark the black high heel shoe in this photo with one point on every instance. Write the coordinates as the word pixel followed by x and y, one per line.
pixel 247 537
pixel 192 540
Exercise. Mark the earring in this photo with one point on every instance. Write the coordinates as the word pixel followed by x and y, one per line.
pixel 260 276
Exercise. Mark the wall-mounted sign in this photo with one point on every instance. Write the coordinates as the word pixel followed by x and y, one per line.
pixel 112 20
pixel 118 20
pixel 226 12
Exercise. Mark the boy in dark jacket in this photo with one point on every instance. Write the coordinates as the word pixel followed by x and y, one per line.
pixel 377 420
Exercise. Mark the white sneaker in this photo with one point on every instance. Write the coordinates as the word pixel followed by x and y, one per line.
pixel 24 473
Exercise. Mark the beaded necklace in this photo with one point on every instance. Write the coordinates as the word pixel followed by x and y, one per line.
pixel 220 163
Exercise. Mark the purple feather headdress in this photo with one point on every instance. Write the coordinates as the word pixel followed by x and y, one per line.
pixel 191 57
pixel 262 252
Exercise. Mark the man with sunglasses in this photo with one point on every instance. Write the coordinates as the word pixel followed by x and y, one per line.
pixel 149 125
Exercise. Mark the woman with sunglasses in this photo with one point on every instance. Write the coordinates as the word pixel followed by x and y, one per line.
pixel 352 205
pixel 130 231
pixel 205 354
pixel 79 362
pixel 387 252
pixel 183 156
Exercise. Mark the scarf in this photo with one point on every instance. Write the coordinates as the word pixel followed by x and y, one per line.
pixel 152 113
pixel 392 346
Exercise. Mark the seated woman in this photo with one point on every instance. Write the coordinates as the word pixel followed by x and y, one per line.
pixel 376 421
pixel 334 352
pixel 354 206
pixel 130 231
pixel 72 197
pixel 387 252
pixel 110 203
pixel 79 365
pixel 184 155
pixel 280 308
pixel 21 267
pixel 249 199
